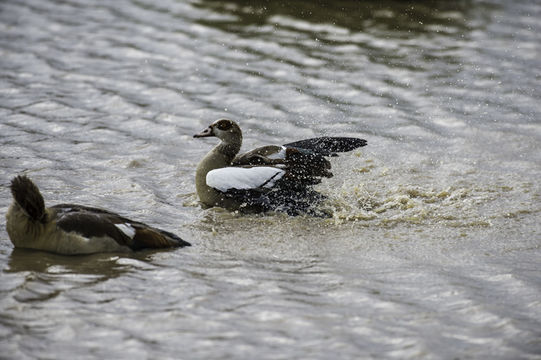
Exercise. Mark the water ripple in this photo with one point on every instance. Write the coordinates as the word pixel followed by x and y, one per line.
pixel 432 246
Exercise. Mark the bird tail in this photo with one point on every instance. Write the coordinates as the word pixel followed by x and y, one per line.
pixel 26 194
pixel 177 240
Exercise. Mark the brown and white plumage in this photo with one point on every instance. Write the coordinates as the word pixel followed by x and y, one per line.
pixel 272 177
pixel 74 229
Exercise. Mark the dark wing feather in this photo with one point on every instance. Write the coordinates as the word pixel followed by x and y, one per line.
pixel 306 166
pixel 95 222
pixel 78 219
pixel 328 146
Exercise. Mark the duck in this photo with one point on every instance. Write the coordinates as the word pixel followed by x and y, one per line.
pixel 269 178
pixel 71 229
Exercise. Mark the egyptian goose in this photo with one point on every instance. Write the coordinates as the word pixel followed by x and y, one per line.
pixel 269 178
pixel 74 229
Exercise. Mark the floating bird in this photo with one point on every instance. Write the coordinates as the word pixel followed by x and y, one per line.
pixel 74 229
pixel 268 178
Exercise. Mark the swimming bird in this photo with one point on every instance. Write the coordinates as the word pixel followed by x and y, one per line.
pixel 268 178
pixel 74 229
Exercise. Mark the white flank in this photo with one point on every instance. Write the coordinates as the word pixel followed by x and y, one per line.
pixel 279 155
pixel 243 178
pixel 126 229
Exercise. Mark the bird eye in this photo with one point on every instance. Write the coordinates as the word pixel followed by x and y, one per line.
pixel 224 125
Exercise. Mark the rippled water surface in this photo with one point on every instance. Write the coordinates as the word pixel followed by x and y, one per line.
pixel 433 247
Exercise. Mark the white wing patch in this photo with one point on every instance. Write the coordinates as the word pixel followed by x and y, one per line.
pixel 126 229
pixel 244 178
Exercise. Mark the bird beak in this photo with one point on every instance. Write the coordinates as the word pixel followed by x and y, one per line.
pixel 205 133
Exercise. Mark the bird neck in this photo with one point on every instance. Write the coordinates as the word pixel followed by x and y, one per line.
pixel 228 149
pixel 219 157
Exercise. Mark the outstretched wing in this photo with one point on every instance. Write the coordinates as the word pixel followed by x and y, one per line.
pixel 295 166
pixel 304 160
pixel 329 146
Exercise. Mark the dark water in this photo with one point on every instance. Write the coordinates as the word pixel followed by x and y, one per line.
pixel 433 250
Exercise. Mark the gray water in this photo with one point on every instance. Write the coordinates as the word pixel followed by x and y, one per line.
pixel 433 247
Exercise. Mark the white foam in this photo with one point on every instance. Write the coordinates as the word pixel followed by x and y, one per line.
pixel 243 178
pixel 126 229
